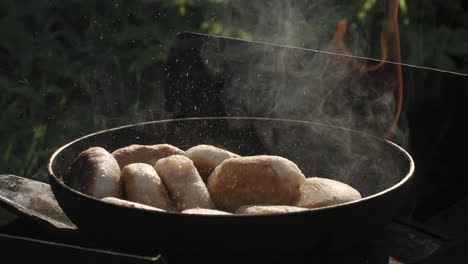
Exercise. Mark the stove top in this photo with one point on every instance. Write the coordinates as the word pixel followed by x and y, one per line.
pixel 402 241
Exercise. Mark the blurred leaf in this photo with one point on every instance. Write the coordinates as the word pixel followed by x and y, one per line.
pixel 447 61
pixel 26 91
pixel 18 41
pixel 219 29
pixel 72 67
pixel 458 42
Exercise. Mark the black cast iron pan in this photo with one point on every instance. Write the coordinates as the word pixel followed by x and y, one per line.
pixel 379 169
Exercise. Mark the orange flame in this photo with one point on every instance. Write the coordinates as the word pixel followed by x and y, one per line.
pixel 390 30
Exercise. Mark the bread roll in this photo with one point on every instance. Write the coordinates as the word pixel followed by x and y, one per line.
pixel 205 211
pixel 268 209
pixel 183 182
pixel 318 192
pixel 206 158
pixel 144 154
pixel 95 172
pixel 255 180
pixel 121 202
pixel 142 184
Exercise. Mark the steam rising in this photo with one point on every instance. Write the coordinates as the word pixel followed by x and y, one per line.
pixel 308 85
pixel 295 85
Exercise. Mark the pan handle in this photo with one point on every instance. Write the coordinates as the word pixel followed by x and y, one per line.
pixel 32 200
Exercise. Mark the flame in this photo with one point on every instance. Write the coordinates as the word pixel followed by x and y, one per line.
pixel 390 30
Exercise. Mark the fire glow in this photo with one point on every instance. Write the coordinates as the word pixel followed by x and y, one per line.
pixel 391 31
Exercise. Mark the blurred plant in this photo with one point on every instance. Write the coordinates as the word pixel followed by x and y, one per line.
pixel 433 33
pixel 72 67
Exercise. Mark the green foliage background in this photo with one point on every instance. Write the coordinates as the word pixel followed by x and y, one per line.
pixel 68 68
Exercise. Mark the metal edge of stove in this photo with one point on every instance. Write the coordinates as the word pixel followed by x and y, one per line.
pixel 423 228
pixel 23 250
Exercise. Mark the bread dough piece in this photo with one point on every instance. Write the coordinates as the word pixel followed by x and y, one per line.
pixel 95 172
pixel 183 182
pixel 204 211
pixel 144 154
pixel 121 202
pixel 206 158
pixel 318 192
pixel 255 180
pixel 142 185
pixel 268 209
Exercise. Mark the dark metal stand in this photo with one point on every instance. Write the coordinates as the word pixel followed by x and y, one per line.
pixel 39 234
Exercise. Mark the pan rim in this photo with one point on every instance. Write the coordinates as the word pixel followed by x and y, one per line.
pixel 405 179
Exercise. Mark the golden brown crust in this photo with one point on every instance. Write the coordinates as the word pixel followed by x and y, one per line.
pixel 183 182
pixel 148 154
pixel 204 168
pixel 206 158
pixel 143 185
pixel 268 209
pixel 95 172
pixel 255 180
pixel 130 204
pixel 319 192
pixel 204 211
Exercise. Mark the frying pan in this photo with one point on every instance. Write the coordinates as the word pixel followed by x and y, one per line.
pixel 379 169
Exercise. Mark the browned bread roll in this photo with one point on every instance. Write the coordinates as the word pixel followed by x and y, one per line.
pixel 125 203
pixel 318 192
pixel 206 158
pixel 142 185
pixel 268 209
pixel 144 154
pixel 255 180
pixel 95 172
pixel 205 211
pixel 183 182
